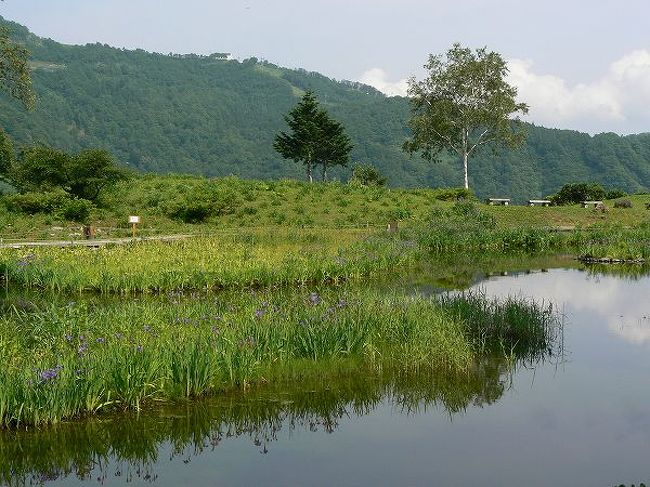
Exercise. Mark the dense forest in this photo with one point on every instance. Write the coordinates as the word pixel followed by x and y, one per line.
pixel 214 116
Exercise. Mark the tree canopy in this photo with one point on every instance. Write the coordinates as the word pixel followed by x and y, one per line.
pixel 315 138
pixel 83 175
pixel 463 104
pixel 6 154
pixel 15 76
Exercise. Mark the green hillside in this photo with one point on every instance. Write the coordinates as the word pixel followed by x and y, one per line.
pixel 207 115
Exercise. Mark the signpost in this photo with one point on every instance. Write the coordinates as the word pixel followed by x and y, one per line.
pixel 134 220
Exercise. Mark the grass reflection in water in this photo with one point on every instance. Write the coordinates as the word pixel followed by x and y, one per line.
pixel 131 445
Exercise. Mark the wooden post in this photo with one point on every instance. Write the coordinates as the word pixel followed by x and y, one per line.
pixel 134 220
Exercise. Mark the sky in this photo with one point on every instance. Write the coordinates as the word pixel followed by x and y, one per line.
pixel 578 64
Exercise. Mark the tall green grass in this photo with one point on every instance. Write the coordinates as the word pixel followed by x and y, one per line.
pixel 468 228
pixel 131 444
pixel 78 358
pixel 237 261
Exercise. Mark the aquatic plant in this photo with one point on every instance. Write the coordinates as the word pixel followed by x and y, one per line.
pixel 131 443
pixel 235 261
pixel 71 359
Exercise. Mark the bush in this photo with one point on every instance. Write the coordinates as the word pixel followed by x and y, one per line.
pixel 77 210
pixel 613 194
pixel 189 211
pixel 56 202
pixel 454 194
pixel 206 200
pixel 367 175
pixel 400 213
pixel 471 214
pixel 623 204
pixel 36 202
pixel 462 217
pixel 576 192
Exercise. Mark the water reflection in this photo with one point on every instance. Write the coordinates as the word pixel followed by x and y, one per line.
pixel 127 447
pixel 621 303
pixel 586 422
pixel 453 272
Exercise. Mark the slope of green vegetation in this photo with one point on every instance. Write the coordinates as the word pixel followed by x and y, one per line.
pixel 241 244
pixel 196 205
pixel 218 117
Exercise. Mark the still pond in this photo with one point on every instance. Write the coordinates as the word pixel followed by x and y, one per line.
pixel 581 418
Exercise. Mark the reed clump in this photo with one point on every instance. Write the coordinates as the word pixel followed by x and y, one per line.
pixel 79 358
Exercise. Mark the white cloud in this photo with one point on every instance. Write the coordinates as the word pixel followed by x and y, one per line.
pixel 616 101
pixel 636 332
pixel 377 78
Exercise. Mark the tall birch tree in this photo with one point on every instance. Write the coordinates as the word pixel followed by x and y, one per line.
pixel 462 105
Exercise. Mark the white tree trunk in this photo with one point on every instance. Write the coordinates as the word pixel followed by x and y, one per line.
pixel 310 171
pixel 465 156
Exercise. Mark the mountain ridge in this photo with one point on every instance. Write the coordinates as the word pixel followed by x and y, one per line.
pixel 213 116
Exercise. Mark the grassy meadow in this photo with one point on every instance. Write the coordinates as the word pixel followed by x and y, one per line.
pixel 285 256
pixel 192 204
pixel 248 260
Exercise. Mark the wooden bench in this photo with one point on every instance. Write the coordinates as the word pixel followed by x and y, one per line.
pixel 498 201
pixel 539 202
pixel 595 204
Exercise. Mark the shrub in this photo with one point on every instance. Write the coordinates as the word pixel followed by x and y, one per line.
pixel 56 202
pixel 472 214
pixel 623 203
pixel 367 175
pixel 613 194
pixel 36 202
pixel 189 211
pixel 400 213
pixel 77 210
pixel 576 192
pixel 202 202
pixel 462 217
pixel 454 194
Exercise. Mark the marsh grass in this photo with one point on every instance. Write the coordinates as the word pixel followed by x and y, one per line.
pixel 468 228
pixel 268 258
pixel 512 326
pixel 72 359
pixel 130 445
pixel 250 260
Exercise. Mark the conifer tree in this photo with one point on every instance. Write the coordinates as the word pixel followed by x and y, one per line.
pixel 315 138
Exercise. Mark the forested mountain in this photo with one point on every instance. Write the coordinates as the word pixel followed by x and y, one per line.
pixel 210 115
